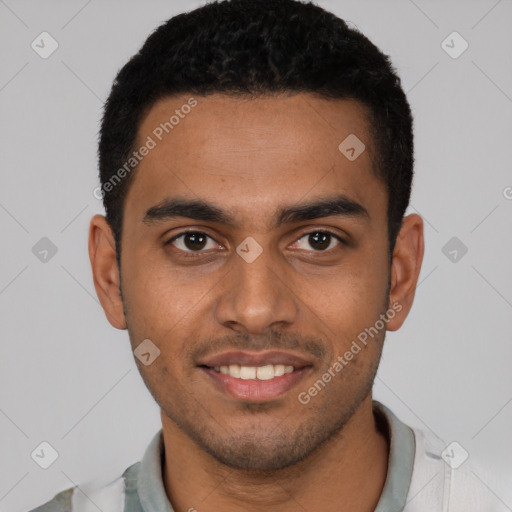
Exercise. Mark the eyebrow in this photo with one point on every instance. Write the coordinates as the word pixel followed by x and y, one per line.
pixel 201 210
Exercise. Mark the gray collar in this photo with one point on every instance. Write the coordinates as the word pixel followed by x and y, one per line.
pixel 400 462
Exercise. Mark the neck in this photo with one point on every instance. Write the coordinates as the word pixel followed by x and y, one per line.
pixel 347 473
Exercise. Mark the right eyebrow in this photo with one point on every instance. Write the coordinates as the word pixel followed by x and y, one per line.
pixel 192 209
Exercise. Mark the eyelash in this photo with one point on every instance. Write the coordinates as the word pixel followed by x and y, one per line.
pixel 195 254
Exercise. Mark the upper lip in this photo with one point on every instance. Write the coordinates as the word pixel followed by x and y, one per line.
pixel 255 359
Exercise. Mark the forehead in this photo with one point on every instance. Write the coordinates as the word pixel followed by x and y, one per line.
pixel 250 155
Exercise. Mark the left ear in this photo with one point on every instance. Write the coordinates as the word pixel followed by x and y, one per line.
pixel 405 269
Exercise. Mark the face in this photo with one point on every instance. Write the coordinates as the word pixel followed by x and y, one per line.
pixel 250 240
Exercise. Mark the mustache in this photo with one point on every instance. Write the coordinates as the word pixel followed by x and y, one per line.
pixel 274 341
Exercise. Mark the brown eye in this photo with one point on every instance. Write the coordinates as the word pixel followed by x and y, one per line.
pixel 194 241
pixel 319 240
pixel 191 241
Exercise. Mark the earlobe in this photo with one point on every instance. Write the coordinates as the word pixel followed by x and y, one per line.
pixel 405 269
pixel 102 254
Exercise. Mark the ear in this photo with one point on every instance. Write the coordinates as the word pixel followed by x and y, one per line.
pixel 405 269
pixel 102 253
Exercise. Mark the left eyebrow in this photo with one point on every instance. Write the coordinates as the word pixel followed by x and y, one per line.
pixel 339 205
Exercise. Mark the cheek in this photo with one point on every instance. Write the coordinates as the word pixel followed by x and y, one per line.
pixel 158 299
pixel 170 310
pixel 354 297
pixel 167 385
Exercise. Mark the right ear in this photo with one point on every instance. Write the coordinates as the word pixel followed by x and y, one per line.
pixel 105 273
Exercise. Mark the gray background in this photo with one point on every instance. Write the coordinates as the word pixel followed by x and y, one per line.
pixel 67 377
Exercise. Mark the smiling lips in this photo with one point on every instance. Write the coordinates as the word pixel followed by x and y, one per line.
pixel 255 376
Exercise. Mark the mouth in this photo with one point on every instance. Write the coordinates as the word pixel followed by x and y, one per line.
pixel 255 377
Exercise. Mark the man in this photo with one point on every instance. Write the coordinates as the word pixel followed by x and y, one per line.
pixel 256 160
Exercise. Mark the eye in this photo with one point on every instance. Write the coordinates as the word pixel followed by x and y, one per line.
pixel 319 240
pixel 192 241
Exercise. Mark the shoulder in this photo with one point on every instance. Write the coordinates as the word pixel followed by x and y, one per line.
pixel 448 478
pixel 93 495
pixel 61 502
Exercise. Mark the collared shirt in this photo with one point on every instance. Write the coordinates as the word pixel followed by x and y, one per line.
pixel 418 479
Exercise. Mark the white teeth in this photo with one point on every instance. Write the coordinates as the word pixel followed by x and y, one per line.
pixel 279 370
pixel 233 370
pixel 247 372
pixel 266 372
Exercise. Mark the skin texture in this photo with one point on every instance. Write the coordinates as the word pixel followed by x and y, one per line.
pixel 250 157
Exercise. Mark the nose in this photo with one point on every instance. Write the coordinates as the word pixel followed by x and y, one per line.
pixel 256 297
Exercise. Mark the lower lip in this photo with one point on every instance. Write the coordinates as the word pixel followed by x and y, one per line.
pixel 256 390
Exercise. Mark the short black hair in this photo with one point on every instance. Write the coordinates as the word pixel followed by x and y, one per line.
pixel 257 48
